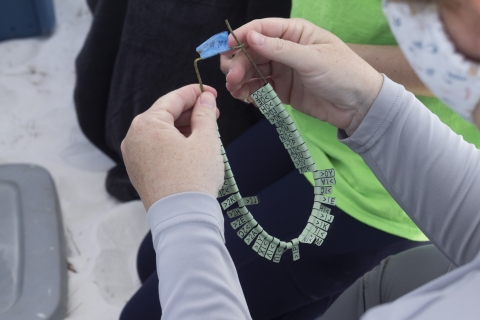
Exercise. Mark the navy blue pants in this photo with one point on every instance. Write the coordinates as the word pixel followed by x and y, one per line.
pixel 302 289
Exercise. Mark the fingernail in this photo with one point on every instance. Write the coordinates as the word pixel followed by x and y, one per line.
pixel 208 99
pixel 258 39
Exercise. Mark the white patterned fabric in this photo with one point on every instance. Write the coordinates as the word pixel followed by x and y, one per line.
pixel 419 31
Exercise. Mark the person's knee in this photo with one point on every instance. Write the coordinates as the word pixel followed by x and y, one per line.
pixel 408 270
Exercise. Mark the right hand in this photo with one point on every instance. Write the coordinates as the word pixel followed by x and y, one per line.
pixel 309 68
pixel 225 61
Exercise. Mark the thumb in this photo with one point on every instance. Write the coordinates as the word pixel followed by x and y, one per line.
pixel 289 53
pixel 204 115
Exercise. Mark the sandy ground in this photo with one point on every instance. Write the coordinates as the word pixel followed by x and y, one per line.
pixel 38 125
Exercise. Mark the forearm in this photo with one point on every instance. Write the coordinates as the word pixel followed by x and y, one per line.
pixel 390 61
pixel 432 173
pixel 197 278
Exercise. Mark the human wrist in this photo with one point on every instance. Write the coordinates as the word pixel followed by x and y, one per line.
pixel 374 85
pixel 183 208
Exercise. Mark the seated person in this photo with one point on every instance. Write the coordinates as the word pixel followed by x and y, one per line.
pixel 137 51
pixel 369 225
pixel 381 139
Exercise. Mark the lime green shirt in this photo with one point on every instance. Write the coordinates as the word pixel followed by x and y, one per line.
pixel 358 191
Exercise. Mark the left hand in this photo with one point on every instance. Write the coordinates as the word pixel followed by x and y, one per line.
pixel 173 146
pixel 225 63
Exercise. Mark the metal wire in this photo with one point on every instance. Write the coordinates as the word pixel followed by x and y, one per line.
pixel 245 51
pixel 198 74
pixel 239 46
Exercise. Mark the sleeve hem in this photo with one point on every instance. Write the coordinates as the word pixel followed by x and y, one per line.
pixel 378 119
pixel 182 208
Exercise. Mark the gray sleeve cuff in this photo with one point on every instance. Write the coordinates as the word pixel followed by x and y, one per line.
pixel 187 207
pixel 378 119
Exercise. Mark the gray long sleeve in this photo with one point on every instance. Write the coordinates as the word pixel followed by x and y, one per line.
pixel 197 277
pixel 432 173
pixel 434 176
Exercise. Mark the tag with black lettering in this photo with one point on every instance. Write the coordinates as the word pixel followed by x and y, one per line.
pixel 241 221
pixel 323 190
pixel 227 191
pixel 249 238
pixel 310 168
pixel 325 182
pixel 249 201
pixel 324 199
pixel 295 251
pixel 237 212
pixel 228 202
pixel 246 228
pixel 327 173
pixel 259 241
pixel 279 252
pixel 285 122
pixel 289 128
pixel 271 249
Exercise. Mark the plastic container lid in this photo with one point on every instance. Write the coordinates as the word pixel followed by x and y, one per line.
pixel 33 271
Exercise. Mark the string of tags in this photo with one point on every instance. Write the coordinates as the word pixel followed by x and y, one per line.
pixel 320 218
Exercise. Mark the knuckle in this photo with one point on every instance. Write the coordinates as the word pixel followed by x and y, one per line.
pixel 204 114
pixel 280 45
pixel 163 115
pixel 123 147
pixel 138 121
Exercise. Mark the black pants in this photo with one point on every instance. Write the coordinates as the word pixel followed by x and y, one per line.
pixel 288 290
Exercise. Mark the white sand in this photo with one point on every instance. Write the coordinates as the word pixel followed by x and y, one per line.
pixel 38 125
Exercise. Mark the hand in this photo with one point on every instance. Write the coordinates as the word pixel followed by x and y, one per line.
pixel 173 147
pixel 225 61
pixel 309 68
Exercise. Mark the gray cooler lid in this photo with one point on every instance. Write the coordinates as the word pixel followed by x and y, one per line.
pixel 33 272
